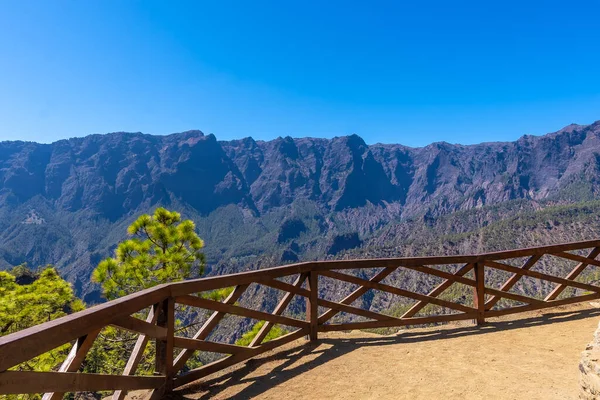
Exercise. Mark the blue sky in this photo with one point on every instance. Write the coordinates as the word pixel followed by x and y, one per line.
pixel 390 71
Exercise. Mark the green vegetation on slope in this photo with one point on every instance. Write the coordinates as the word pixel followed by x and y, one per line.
pixel 275 332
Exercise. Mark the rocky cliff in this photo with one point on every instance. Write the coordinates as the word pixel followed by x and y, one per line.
pixel 68 202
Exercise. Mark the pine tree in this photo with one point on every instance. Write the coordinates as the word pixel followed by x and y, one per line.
pixel 162 249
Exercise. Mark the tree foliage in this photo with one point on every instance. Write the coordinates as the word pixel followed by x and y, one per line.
pixel 218 294
pixel 275 332
pixel 162 249
pixel 48 297
pixel 44 296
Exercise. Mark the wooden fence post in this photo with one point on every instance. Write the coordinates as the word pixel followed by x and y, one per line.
pixel 479 293
pixel 312 309
pixel 164 348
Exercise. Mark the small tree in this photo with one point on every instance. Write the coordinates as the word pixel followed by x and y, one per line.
pixel 163 249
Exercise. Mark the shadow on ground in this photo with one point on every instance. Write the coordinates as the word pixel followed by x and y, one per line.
pixel 304 357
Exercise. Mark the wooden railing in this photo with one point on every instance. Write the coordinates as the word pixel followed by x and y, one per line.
pixel 82 328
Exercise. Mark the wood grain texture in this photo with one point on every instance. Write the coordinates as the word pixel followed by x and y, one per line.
pixel 14 382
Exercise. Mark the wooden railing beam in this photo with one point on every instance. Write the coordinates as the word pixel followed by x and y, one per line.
pixel 479 293
pixel 207 327
pixel 74 359
pixel 574 257
pixel 84 326
pixel 16 382
pixel 548 304
pixel 338 307
pixel 462 259
pixel 558 289
pixel 396 291
pixel 438 290
pixel 434 319
pixel 137 352
pixel 312 306
pixel 239 278
pixel 136 325
pixel 164 346
pixel 381 275
pixel 218 365
pixel 452 278
pixel 203 345
pixel 354 310
pixel 510 282
pixel 279 309
pixel 196 301
pixel 512 296
pixel 539 275
pixel 28 343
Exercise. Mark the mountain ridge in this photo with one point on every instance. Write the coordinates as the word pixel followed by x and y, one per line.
pixel 82 192
pixel 568 127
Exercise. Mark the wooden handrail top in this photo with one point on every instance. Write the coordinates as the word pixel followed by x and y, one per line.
pixel 28 343
pixel 217 282
pixel 458 259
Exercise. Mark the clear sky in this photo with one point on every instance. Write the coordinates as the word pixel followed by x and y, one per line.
pixel 410 72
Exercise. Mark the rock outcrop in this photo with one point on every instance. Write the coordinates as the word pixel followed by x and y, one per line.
pixel 590 370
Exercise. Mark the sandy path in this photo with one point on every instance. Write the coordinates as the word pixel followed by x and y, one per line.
pixel 533 357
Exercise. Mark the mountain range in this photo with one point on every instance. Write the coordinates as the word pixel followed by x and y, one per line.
pixel 264 203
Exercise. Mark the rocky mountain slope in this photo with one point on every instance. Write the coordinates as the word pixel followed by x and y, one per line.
pixel 262 203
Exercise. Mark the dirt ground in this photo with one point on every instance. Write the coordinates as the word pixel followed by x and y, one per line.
pixel 531 356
